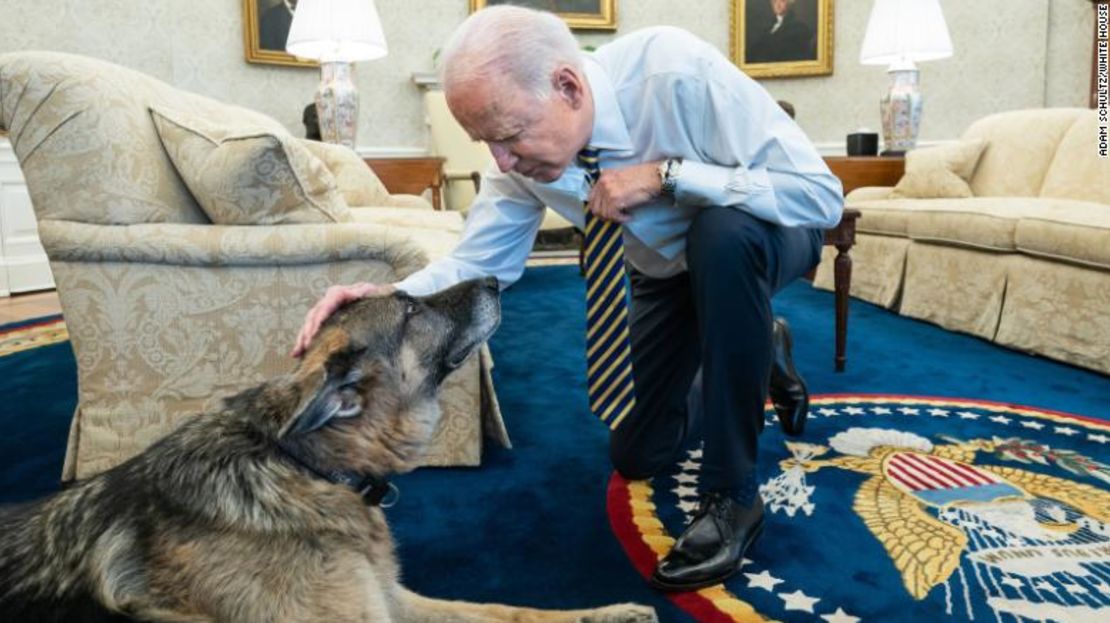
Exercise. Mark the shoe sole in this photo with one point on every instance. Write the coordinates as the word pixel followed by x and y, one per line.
pixel 675 588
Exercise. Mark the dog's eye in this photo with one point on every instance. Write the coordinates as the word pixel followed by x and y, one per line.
pixel 412 308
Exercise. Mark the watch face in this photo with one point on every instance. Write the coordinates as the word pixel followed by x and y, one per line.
pixel 668 174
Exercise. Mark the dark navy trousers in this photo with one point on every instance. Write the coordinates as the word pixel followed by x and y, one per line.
pixel 715 317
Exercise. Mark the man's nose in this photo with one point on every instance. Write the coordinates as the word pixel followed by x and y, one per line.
pixel 503 157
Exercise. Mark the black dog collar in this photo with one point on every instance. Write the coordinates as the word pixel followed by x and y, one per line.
pixel 373 490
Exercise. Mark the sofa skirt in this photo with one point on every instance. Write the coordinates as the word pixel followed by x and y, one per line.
pixel 958 289
pixel 1057 310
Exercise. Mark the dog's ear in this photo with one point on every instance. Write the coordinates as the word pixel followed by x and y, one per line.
pixel 329 388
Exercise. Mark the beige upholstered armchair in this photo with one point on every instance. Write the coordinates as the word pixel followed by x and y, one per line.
pixel 188 238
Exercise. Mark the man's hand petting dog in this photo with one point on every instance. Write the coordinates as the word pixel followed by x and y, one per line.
pixel 334 298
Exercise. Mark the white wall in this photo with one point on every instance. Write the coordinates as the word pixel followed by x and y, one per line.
pixel 1009 54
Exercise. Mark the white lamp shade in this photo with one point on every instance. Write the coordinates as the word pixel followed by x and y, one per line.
pixel 336 31
pixel 905 30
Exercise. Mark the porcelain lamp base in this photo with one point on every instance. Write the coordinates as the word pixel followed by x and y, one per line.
pixel 901 111
pixel 337 104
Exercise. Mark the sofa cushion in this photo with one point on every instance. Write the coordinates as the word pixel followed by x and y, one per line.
pixel 356 181
pixel 1074 231
pixel 415 218
pixel 1077 172
pixel 248 175
pixel 939 172
pixel 1020 146
pixel 888 217
pixel 434 232
pixel 979 222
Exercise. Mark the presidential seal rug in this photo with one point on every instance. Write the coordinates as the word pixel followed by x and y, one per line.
pixel 904 508
pixel 531 526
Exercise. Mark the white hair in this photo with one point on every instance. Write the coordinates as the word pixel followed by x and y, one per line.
pixel 522 45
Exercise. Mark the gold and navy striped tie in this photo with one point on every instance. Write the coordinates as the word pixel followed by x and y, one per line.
pixel 608 347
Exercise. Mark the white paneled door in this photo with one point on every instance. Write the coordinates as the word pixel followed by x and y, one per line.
pixel 23 263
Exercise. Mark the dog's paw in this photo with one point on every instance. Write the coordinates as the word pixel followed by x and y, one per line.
pixel 622 613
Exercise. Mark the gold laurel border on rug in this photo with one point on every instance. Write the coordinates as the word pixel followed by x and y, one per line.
pixel 655 536
pixel 33 336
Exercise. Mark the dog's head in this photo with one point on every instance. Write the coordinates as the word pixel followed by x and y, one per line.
pixel 367 385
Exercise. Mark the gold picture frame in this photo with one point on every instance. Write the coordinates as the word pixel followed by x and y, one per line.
pixel 578 14
pixel 265 27
pixel 801 44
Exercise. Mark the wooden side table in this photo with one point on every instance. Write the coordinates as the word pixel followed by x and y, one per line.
pixel 411 176
pixel 854 172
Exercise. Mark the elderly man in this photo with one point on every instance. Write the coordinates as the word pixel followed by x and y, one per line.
pixel 693 179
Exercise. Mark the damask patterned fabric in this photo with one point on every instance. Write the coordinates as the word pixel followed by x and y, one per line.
pixel 249 176
pixel 984 222
pixel 958 289
pixel 1070 177
pixel 357 183
pixel 82 132
pixel 879 264
pixel 1021 145
pixel 939 172
pixel 167 312
pixel 1057 310
pixel 1025 262
pixel 1077 232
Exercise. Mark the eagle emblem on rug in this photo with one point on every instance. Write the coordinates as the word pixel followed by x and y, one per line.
pixel 906 508
pixel 991 526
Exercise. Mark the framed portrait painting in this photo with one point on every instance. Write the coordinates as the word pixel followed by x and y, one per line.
pixel 578 14
pixel 782 38
pixel 265 28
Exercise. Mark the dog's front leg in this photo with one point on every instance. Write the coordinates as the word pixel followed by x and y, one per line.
pixel 408 607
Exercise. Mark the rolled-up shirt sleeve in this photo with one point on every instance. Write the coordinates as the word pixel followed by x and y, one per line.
pixel 495 242
pixel 754 157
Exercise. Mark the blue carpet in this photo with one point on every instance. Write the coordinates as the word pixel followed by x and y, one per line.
pixel 38 392
pixel 530 527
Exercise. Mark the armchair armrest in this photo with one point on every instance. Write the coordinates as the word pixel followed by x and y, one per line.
pixel 183 244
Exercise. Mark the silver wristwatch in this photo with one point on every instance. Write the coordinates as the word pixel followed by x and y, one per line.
pixel 669 171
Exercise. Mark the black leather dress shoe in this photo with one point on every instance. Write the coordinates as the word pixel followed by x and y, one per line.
pixel 712 547
pixel 788 390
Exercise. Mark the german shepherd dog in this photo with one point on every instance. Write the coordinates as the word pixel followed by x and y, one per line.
pixel 264 509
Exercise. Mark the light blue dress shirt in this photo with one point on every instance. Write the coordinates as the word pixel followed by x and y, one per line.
pixel 658 93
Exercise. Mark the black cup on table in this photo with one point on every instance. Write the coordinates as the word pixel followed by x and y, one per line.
pixel 863 144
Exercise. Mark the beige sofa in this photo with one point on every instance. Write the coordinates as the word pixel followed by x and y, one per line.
pixel 169 312
pixel 1024 262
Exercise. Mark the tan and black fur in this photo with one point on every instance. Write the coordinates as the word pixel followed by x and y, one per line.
pixel 216 523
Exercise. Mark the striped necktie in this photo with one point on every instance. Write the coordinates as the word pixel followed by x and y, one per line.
pixel 608 347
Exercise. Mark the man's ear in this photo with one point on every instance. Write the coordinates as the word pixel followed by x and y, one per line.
pixel 568 84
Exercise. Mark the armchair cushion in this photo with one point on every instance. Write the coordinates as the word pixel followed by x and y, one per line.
pixel 245 175
pixel 940 172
